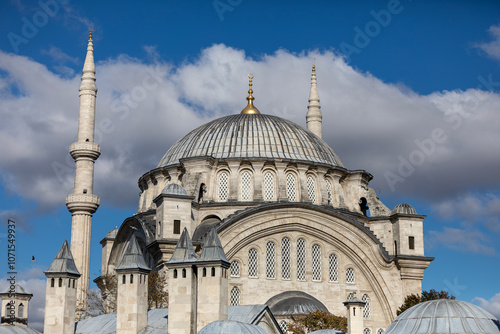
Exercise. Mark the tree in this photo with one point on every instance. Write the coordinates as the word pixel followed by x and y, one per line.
pixel 157 292
pixel 414 299
pixel 317 320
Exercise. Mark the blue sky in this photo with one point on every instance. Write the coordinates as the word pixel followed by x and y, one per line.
pixel 409 92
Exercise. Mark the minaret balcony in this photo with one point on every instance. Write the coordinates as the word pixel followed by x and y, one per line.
pixel 85 149
pixel 82 202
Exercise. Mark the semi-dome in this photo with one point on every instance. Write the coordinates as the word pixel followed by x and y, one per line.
pixel 290 303
pixel 445 316
pixel 249 137
pixel 405 209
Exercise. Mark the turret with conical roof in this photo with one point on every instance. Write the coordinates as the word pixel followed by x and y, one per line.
pixel 132 294
pixel 314 118
pixel 60 294
pixel 213 282
pixel 182 287
pixel 15 305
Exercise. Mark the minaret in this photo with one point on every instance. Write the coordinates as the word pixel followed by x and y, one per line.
pixel 314 117
pixel 83 203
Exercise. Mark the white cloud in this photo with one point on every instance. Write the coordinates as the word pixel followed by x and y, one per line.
pixel 492 305
pixel 143 108
pixel 464 240
pixel 59 56
pixel 492 48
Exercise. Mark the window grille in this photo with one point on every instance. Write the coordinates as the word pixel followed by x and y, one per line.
pixel 270 260
pixel 316 262
pixel 349 276
pixel 329 190
pixel 285 259
pixel 333 270
pixel 301 260
pixel 380 331
pixel 351 296
pixel 246 186
pixel 367 308
pixel 291 187
pixel 20 312
pixel 223 186
pixel 269 189
pixel 253 262
pixel 311 189
pixel 235 269
pixel 367 331
pixel 284 326
pixel 235 296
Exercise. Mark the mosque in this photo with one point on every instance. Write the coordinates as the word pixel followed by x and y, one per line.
pixel 252 220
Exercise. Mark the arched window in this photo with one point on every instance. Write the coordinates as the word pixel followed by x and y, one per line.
pixel 246 186
pixel 311 189
pixel 380 331
pixel 234 296
pixel 270 260
pixel 291 187
pixel 51 282
pixel 20 311
pixel 350 276
pixel 316 262
pixel 60 282
pixel 235 269
pixel 367 308
pixel 329 190
pixel 131 278
pixel 183 273
pixel 204 272
pixel 253 263
pixel 159 230
pixel 284 326
pixel 367 331
pixel 213 271
pixel 301 260
pixel 269 187
pixel 124 279
pixel 7 310
pixel 223 186
pixel 333 268
pixel 285 259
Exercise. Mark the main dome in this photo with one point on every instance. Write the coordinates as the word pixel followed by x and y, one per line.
pixel 254 136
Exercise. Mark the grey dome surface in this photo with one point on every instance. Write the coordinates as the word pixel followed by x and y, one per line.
pixel 405 209
pixel 294 302
pixel 174 189
pixel 11 329
pixel 444 316
pixel 112 234
pixel 255 136
pixel 231 327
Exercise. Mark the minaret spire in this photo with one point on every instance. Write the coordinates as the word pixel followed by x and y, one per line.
pixel 83 203
pixel 314 116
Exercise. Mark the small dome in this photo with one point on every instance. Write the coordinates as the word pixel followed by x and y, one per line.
pixel 174 189
pixel 294 302
pixel 405 209
pixel 231 327
pixel 112 234
pixel 445 316
pixel 13 329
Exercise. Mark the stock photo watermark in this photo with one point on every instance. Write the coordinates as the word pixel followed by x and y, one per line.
pixel 30 26
pixel 223 6
pixel 428 146
pixel 10 308
pixel 364 35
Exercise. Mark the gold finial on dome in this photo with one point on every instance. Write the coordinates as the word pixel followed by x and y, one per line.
pixel 250 108
pixel 90 33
